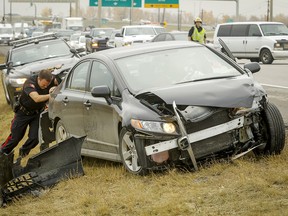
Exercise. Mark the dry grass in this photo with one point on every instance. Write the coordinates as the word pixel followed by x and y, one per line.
pixel 245 187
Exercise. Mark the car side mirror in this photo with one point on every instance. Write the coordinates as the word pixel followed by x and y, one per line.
pixel 253 67
pixel 79 50
pixel 102 91
pixel 118 35
pixel 3 66
pixel 9 65
pixel 88 36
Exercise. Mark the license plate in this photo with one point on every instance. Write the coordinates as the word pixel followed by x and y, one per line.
pixel 286 46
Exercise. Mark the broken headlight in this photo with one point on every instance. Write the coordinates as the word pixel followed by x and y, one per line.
pixel 17 81
pixel 153 126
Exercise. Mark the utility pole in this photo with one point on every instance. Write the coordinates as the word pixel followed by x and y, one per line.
pixel 3 19
pixel 271 10
pixel 268 10
pixel 131 11
pixel 99 12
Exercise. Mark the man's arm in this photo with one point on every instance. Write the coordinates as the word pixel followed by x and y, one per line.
pixel 190 33
pixel 39 98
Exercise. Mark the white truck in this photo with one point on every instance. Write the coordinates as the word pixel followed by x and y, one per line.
pixel 73 23
pixel 6 33
pixel 134 34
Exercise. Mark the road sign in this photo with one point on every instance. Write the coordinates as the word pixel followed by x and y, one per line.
pixel 161 4
pixel 117 3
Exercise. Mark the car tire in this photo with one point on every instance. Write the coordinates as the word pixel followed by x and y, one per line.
pixel 273 129
pixel 61 132
pixel 266 57
pixel 129 154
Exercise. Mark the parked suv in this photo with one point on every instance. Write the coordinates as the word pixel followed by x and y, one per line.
pixel 257 41
pixel 28 56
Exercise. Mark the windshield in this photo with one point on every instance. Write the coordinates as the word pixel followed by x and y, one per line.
pixel 173 67
pixel 140 31
pixel 74 37
pixel 39 51
pixel 6 30
pixel 274 29
pixel 102 32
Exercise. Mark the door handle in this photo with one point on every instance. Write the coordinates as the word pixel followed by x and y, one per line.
pixel 87 103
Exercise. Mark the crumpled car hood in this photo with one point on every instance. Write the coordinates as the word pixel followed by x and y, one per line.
pixel 229 92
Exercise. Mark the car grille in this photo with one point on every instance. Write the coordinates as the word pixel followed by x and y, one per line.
pixel 102 43
pixel 214 144
pixel 138 41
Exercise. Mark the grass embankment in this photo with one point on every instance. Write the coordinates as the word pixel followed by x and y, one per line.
pixel 245 187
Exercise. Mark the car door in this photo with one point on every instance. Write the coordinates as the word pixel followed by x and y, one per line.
pixel 254 40
pixel 101 118
pixel 237 41
pixel 72 99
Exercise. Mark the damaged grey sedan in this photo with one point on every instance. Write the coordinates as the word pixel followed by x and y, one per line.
pixel 163 105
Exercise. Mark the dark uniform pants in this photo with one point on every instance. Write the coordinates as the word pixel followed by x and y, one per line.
pixel 18 128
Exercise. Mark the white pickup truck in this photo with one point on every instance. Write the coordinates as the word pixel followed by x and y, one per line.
pixel 133 34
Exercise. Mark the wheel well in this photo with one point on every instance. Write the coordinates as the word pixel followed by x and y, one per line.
pixel 119 128
pixel 56 120
pixel 264 48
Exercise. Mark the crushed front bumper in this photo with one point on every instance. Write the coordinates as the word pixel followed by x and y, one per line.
pixel 194 137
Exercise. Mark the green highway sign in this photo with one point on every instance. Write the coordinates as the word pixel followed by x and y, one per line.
pixel 117 3
pixel 161 4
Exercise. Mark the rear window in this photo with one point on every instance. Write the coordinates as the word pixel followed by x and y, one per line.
pixel 224 31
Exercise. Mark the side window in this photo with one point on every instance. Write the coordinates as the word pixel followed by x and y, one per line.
pixel 78 77
pixel 239 30
pixel 169 37
pixel 224 31
pixel 254 31
pixel 100 75
pixel 161 37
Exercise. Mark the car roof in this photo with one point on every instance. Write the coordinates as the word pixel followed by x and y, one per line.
pixel 142 26
pixel 34 40
pixel 251 22
pixel 121 52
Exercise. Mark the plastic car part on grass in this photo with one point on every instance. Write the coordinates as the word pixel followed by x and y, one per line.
pixel 59 162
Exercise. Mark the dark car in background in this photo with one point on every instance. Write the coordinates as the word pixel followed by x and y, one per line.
pixel 28 56
pixel 161 105
pixel 97 39
pixel 171 36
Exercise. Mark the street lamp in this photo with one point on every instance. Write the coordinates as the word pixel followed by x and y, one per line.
pixel 3 19
pixel 131 11
pixel 35 16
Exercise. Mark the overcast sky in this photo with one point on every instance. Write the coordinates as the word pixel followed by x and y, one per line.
pixel 246 7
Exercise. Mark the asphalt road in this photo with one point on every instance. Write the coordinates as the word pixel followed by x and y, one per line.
pixel 274 79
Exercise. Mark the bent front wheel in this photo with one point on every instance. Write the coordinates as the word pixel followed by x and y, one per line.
pixel 129 154
pixel 273 131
